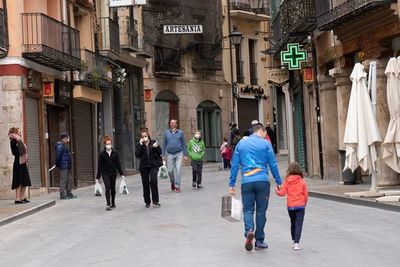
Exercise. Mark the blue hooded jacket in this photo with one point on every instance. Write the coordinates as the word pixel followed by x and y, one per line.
pixel 63 157
pixel 254 155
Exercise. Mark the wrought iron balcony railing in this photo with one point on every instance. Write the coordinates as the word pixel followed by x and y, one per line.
pixel 3 36
pixel 128 34
pixel 50 42
pixel 109 35
pixel 253 74
pixel 251 6
pixel 94 71
pixel 298 16
pixel 167 61
pixel 334 13
pixel 239 72
pixel 207 55
pixel 207 65
pixel 167 68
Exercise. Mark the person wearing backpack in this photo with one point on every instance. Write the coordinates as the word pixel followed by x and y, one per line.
pixel 196 150
pixel 234 136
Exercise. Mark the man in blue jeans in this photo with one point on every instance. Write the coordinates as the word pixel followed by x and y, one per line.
pixel 174 148
pixel 254 155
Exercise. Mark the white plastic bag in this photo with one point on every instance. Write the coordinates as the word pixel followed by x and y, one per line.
pixel 163 171
pixel 97 189
pixel 236 209
pixel 123 189
pixel 232 209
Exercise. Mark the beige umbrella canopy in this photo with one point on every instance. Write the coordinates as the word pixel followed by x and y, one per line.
pixel 391 145
pixel 361 133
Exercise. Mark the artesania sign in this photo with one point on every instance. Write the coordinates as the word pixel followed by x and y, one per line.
pixel 182 29
pixel 120 3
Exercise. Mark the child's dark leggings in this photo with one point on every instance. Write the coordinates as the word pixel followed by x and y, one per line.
pixel 296 222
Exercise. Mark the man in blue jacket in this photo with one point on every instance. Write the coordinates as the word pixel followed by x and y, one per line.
pixel 254 155
pixel 64 164
pixel 174 148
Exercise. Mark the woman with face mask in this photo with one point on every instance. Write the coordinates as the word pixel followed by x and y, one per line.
pixel 109 164
pixel 196 150
pixel 149 152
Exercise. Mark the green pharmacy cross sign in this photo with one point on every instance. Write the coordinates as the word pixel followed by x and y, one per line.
pixel 293 56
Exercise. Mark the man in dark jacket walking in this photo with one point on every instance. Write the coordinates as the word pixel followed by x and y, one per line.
pixel 64 164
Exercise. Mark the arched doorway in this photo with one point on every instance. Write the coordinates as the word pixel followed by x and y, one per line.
pixel 167 108
pixel 209 123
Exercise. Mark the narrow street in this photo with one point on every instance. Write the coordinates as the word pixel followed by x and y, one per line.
pixel 188 231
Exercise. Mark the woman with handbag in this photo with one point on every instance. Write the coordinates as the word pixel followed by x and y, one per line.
pixel 149 152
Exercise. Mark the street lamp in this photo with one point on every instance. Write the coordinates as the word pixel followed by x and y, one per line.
pixel 235 36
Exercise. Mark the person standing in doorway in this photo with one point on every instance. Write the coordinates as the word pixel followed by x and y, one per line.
pixel 20 169
pixel 254 155
pixel 108 165
pixel 64 164
pixel 174 148
pixel 149 152
pixel 272 136
pixel 196 151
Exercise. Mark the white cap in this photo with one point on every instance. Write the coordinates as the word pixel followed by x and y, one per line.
pixel 254 122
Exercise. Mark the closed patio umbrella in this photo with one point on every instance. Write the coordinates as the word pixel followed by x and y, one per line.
pixel 361 133
pixel 391 145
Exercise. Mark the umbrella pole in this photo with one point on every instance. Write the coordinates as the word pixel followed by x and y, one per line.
pixel 372 87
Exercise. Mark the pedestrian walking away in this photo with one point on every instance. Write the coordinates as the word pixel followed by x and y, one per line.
pixel 297 196
pixel 272 136
pixel 226 153
pixel 108 165
pixel 174 149
pixel 254 155
pixel 64 164
pixel 233 136
pixel 149 152
pixel 196 150
pixel 20 169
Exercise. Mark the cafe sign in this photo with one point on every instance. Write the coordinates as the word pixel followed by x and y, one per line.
pixel 278 77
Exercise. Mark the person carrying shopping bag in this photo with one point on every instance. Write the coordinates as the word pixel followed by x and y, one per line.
pixel 297 196
pixel 196 150
pixel 149 152
pixel 109 164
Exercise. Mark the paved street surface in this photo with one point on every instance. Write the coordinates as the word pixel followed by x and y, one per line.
pixel 188 231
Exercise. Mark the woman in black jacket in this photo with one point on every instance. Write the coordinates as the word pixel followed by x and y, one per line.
pixel 109 164
pixel 149 152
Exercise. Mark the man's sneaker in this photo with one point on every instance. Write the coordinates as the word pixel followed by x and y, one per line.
pixel 249 240
pixel 199 186
pixel 63 197
pixel 296 246
pixel 113 206
pixel 71 196
pixel 173 187
pixel 178 190
pixel 156 205
pixel 108 208
pixel 260 245
pixel 147 206
pixel 194 184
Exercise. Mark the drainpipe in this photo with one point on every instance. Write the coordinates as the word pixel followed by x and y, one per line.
pixel 5 29
pixel 289 112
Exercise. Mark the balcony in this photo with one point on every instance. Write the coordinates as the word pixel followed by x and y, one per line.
pixel 254 10
pixel 3 36
pixel 333 14
pixel 50 42
pixel 298 18
pixel 207 65
pixel 108 36
pixel 253 74
pixel 128 34
pixel 206 58
pixel 167 61
pixel 145 48
pixel 94 71
pixel 239 72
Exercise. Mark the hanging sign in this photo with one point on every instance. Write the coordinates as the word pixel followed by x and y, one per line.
pixel 293 56
pixel 278 77
pixel 147 95
pixel 308 75
pixel 183 29
pixel 48 89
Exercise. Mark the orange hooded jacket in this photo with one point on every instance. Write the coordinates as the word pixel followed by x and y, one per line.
pixel 296 190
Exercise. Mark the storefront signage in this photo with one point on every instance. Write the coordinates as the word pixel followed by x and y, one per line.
pixel 147 95
pixel 183 29
pixel 63 92
pixel 293 56
pixel 308 75
pixel 48 89
pixel 257 91
pixel 278 77
pixel 121 3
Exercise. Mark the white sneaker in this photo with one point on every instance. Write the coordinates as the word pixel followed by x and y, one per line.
pixel 293 244
pixel 296 246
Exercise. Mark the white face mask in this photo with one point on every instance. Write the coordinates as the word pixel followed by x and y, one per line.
pixel 108 147
pixel 197 136
pixel 145 139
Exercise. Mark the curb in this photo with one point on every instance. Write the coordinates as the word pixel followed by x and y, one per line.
pixel 354 201
pixel 27 212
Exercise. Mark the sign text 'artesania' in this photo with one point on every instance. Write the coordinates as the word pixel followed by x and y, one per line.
pixel 182 29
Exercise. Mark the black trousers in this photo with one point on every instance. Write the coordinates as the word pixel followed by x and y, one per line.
pixel 109 183
pixel 150 184
pixel 296 222
pixel 197 169
pixel 227 163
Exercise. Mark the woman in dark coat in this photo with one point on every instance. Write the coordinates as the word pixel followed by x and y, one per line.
pixel 109 164
pixel 149 153
pixel 20 170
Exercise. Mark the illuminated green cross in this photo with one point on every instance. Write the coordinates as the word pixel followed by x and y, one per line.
pixel 293 56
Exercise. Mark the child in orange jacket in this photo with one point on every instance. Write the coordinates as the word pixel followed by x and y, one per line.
pixel 297 196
